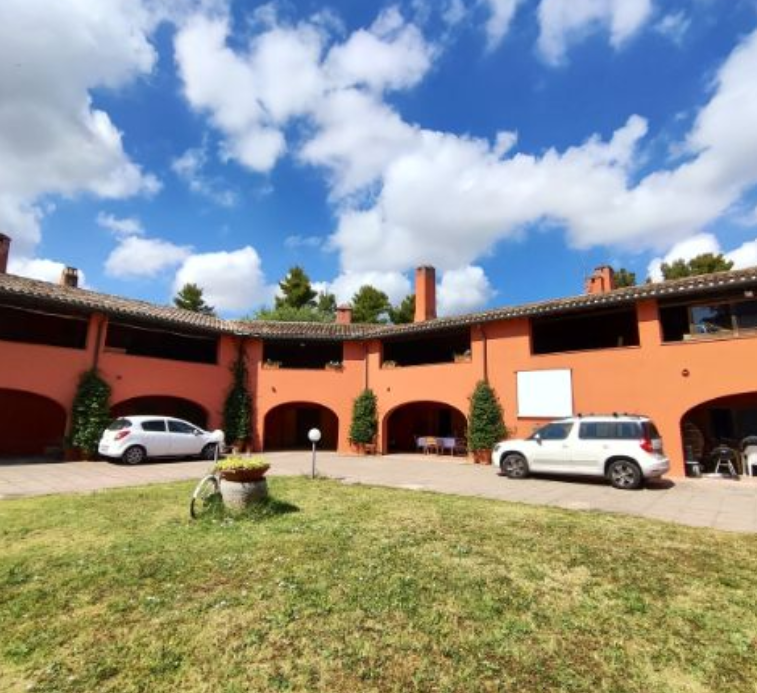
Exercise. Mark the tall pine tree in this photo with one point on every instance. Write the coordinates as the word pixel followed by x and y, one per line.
pixel 190 298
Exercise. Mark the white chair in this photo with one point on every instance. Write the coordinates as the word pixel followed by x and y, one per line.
pixel 749 459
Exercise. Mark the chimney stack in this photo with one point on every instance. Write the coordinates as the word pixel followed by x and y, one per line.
pixel 5 249
pixel 69 277
pixel 601 280
pixel 344 315
pixel 425 294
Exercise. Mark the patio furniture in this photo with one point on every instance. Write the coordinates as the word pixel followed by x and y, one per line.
pixel 724 458
pixel 431 445
pixel 749 455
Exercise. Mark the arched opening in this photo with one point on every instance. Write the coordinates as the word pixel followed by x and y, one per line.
pixel 30 424
pixel 286 427
pixel 408 422
pixel 725 421
pixel 160 405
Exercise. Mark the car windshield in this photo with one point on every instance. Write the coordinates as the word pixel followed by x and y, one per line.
pixel 119 425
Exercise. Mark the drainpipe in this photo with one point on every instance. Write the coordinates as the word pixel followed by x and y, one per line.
pixel 98 339
pixel 482 332
pixel 365 363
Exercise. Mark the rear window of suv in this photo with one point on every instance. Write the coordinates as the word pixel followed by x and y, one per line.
pixel 609 430
pixel 651 430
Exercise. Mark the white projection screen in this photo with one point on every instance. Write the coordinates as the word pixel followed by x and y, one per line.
pixel 545 394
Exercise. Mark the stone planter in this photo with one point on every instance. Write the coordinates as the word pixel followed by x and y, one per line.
pixel 238 495
pixel 482 456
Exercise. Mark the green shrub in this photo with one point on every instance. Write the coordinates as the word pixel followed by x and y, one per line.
pixel 90 412
pixel 237 410
pixel 364 425
pixel 486 423
pixel 241 463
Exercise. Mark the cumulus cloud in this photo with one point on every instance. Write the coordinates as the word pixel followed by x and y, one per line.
pixel 501 13
pixel 126 226
pixel 52 140
pixel 674 26
pixel 394 284
pixel 232 281
pixel 136 257
pixel 463 291
pixel 562 22
pixel 189 167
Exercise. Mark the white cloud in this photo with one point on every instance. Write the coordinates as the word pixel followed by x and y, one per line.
pixel 684 250
pixel 189 168
pixel 394 284
pixel 501 13
pixel 674 26
pixel 127 226
pixel 744 256
pixel 42 269
pixel 136 257
pixel 232 281
pixel 562 22
pixel 52 140
pixel 463 290
pixel 297 241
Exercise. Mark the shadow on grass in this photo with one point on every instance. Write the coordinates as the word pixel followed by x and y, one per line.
pixel 259 510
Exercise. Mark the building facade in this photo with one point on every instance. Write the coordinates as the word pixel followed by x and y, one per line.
pixel 682 352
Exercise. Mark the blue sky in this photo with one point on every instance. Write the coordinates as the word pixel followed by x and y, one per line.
pixel 513 144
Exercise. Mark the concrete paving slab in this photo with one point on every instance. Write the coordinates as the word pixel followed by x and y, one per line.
pixel 721 504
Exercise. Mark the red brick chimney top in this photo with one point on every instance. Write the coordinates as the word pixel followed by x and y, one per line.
pixel 425 294
pixel 601 280
pixel 5 249
pixel 344 315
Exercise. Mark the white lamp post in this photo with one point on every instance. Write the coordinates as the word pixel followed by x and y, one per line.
pixel 314 435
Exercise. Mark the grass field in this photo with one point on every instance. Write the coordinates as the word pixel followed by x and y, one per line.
pixel 348 588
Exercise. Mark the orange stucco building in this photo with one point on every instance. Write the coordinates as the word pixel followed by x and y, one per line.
pixel 682 352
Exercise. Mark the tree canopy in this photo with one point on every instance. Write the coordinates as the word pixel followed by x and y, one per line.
pixel 190 297
pixel 624 278
pixel 404 312
pixel 296 291
pixel 370 305
pixel 701 264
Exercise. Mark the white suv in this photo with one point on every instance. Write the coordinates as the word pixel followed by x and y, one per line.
pixel 135 438
pixel 622 448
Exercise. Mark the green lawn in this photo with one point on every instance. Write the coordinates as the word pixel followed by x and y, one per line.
pixel 355 589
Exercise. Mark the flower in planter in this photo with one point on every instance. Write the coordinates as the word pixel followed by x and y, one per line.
pixel 242 468
pixel 334 365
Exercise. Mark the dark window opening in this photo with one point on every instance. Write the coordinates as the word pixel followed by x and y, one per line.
pixel 138 341
pixel 428 349
pixel 156 426
pixel 553 431
pixel 585 331
pixel 302 354
pixel 717 317
pixel 19 325
pixel 609 430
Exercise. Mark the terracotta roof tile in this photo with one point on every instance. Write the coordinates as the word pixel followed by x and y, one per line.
pixel 31 290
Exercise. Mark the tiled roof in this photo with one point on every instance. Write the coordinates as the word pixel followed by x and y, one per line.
pixel 52 295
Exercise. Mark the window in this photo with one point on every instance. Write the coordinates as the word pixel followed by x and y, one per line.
pixel 448 347
pixel 580 331
pixel 721 317
pixel 160 344
pixel 711 319
pixel 119 425
pixel 301 354
pixel 554 431
pixel 35 327
pixel 181 427
pixel 157 425
pixel 609 430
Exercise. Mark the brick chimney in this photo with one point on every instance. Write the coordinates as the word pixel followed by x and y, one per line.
pixel 601 280
pixel 425 294
pixel 69 277
pixel 5 249
pixel 343 315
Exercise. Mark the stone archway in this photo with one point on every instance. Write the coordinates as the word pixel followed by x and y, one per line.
pixel 405 423
pixel 30 424
pixel 162 405
pixel 286 426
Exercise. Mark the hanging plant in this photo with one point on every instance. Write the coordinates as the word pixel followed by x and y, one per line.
pixel 90 413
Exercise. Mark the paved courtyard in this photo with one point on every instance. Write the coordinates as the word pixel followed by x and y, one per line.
pixel 727 505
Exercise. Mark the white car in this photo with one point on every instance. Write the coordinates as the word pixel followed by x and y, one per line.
pixel 133 439
pixel 624 449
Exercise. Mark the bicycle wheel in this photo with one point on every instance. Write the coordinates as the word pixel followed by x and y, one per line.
pixel 206 494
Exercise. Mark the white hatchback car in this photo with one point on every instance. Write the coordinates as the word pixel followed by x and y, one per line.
pixel 133 439
pixel 624 449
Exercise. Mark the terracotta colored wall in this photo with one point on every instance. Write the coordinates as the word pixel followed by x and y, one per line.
pixel 647 379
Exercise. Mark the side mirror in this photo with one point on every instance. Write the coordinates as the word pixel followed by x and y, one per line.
pixel 537 437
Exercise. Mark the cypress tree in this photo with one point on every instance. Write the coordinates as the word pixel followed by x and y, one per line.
pixel 364 418
pixel 486 423
pixel 237 410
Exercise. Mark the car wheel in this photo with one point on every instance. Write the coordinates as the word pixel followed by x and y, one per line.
pixel 515 466
pixel 209 451
pixel 134 455
pixel 624 474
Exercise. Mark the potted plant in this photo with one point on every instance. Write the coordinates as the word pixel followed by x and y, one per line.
pixel 389 364
pixel 237 409
pixel 269 364
pixel 334 366
pixel 242 481
pixel 465 357
pixel 486 424
pixel 364 426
